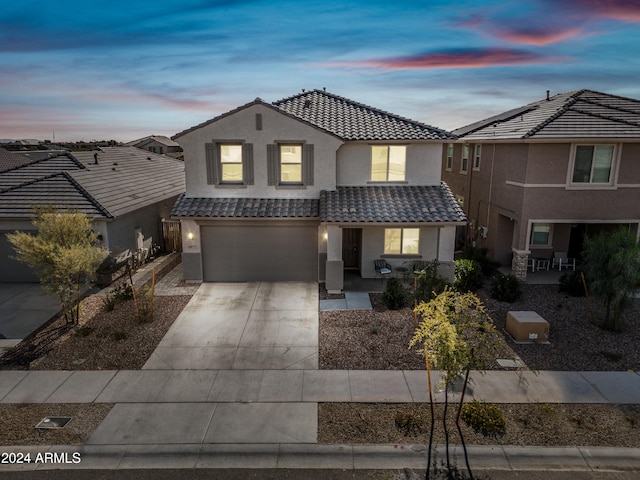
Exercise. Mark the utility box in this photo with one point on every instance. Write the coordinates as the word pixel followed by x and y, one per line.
pixel 526 326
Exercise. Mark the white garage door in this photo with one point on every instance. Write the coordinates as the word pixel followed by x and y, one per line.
pixel 259 253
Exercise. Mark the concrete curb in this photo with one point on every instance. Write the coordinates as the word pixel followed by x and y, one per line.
pixel 313 456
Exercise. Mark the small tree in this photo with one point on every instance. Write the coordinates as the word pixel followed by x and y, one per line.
pixel 612 267
pixel 62 253
pixel 456 335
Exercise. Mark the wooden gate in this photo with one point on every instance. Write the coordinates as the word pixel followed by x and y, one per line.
pixel 172 236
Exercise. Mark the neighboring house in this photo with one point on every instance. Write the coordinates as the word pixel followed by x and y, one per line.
pixel 9 160
pixel 534 180
pixel 126 191
pixel 309 186
pixel 157 144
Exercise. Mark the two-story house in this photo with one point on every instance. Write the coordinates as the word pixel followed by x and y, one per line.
pixel 534 180
pixel 311 185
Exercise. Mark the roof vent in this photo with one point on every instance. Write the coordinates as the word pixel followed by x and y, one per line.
pixel 548 96
pixel 307 103
pixel 95 158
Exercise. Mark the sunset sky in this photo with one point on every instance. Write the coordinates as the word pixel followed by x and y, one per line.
pixel 113 69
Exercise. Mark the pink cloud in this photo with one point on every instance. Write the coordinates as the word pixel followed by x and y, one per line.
pixel 489 57
pixel 538 37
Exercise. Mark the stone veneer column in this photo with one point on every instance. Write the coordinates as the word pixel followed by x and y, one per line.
pixel 519 263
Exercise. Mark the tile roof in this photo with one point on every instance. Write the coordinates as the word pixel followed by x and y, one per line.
pixel 579 114
pixel 351 120
pixel 390 204
pixel 9 160
pixel 125 179
pixel 18 201
pixel 246 207
pixel 343 118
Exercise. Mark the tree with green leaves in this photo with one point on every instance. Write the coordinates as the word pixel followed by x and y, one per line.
pixel 456 335
pixel 63 253
pixel 611 262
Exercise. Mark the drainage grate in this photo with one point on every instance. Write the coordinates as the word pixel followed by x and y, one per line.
pixel 53 422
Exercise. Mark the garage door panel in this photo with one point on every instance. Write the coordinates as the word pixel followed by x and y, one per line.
pixel 260 253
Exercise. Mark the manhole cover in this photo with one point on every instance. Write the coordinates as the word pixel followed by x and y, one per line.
pixel 53 422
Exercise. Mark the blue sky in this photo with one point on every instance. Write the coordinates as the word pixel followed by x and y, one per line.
pixel 114 69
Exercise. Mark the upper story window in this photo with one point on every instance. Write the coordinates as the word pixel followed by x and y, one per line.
pixel 403 241
pixel 476 157
pixel 290 164
pixel 229 163
pixel 593 164
pixel 388 163
pixel 449 164
pixel 464 165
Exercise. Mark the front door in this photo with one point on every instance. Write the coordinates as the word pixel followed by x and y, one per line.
pixel 351 241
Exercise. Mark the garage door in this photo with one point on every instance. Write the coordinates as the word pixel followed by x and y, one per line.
pixel 11 270
pixel 260 253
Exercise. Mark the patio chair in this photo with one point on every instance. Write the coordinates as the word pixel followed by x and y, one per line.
pixel 383 269
pixel 560 259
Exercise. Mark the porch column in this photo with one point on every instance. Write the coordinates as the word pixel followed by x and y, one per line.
pixel 335 264
pixel 519 263
pixel 446 248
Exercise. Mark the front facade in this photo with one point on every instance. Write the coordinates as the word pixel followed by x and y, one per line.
pixel 309 186
pixel 533 181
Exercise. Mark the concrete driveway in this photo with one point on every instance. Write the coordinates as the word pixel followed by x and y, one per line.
pixel 244 326
pixel 24 307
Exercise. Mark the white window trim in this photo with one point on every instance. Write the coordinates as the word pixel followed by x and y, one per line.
pixel 449 158
pixel 549 243
pixel 477 157
pixel 462 157
pixel 281 163
pixel 613 176
pixel 242 160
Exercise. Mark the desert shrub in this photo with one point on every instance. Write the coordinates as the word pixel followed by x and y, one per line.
pixel 571 283
pixel 506 288
pixel 84 331
pixel 484 418
pixel 409 423
pixel 395 296
pixel 119 294
pixel 489 267
pixel 119 335
pixel 144 304
pixel 429 283
pixel 468 275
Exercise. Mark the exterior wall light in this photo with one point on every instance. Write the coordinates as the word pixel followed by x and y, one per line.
pixel 190 235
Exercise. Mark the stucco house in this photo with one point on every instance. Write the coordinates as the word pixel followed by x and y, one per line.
pixel 126 191
pixel 534 180
pixel 157 144
pixel 308 186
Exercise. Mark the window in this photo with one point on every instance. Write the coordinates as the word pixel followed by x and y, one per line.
pixel 541 234
pixel 290 163
pixel 403 241
pixel 388 163
pixel 592 164
pixel 449 165
pixel 464 166
pixel 476 158
pixel 230 163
